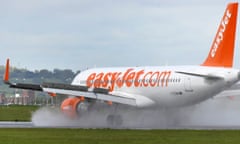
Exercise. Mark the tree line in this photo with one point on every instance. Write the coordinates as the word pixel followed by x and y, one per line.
pixel 37 76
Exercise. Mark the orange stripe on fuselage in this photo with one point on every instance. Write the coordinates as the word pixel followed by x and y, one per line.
pixel 130 78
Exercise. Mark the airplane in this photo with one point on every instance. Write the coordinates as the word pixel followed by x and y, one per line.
pixel 150 86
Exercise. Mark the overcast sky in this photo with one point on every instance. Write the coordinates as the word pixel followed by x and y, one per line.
pixel 75 34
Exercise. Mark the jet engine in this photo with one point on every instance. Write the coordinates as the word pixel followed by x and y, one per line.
pixel 73 107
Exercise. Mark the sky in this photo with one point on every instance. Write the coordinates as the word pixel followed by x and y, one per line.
pixel 80 34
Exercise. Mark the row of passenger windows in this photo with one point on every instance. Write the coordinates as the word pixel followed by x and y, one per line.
pixel 171 80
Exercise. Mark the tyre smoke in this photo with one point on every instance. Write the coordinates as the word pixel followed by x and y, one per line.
pixel 214 112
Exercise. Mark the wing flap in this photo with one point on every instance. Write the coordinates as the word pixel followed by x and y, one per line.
pixel 26 86
pixel 228 93
pixel 90 94
pixel 64 86
pixel 232 91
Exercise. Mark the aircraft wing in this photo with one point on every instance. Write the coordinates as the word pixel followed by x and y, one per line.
pixel 98 94
pixel 232 91
pixel 206 76
pixel 74 90
pixel 93 93
pixel 71 90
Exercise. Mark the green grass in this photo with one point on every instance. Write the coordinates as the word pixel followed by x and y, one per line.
pixel 16 113
pixel 106 136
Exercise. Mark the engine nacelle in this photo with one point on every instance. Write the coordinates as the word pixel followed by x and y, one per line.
pixel 70 106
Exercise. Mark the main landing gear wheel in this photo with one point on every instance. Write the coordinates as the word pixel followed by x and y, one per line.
pixel 114 120
pixel 82 108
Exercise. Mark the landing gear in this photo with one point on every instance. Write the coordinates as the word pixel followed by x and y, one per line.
pixel 83 107
pixel 114 120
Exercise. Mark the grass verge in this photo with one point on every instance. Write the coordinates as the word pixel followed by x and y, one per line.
pixel 107 136
pixel 16 112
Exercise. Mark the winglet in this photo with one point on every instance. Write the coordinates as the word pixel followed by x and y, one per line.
pixel 222 50
pixel 7 72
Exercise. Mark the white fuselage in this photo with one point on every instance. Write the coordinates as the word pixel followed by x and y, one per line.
pixel 163 85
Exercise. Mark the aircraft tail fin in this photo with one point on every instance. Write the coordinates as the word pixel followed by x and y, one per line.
pixel 222 50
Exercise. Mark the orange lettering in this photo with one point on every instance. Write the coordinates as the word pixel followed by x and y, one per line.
pixel 120 81
pixel 113 80
pixel 98 80
pixel 106 79
pixel 153 80
pixel 145 83
pixel 110 79
pixel 90 79
pixel 136 82
pixel 129 79
pixel 164 77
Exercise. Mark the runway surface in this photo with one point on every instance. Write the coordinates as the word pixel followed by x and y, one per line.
pixel 8 124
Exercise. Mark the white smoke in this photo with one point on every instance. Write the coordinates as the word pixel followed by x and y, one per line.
pixel 50 117
pixel 214 112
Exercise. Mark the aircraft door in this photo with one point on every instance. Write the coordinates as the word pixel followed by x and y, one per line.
pixel 187 85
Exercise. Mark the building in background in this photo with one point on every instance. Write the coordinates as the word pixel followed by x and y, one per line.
pixel 2 98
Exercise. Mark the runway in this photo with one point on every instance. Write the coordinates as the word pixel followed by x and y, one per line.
pixel 12 124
